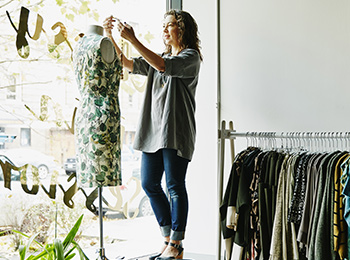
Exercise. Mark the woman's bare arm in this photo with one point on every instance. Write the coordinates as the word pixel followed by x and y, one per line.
pixel 108 26
pixel 127 33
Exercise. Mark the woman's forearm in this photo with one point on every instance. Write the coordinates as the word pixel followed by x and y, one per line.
pixel 152 58
pixel 127 32
pixel 127 63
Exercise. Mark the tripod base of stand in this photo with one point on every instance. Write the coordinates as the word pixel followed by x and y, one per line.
pixel 102 256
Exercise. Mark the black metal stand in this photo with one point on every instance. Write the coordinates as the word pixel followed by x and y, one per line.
pixel 101 251
pixel 101 255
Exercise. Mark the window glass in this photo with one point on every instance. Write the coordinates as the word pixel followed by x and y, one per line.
pixel 38 101
pixel 25 137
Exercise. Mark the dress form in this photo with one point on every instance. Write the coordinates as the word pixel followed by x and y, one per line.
pixel 107 48
pixel 97 124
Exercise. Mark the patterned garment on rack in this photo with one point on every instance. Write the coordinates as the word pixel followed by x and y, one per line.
pixel 339 224
pixel 97 122
pixel 295 211
pixel 254 213
pixel 345 182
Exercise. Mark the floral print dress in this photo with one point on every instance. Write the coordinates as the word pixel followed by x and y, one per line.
pixel 97 122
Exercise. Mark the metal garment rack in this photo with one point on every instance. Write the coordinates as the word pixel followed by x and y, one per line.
pixel 286 140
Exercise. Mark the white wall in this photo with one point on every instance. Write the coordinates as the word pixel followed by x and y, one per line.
pixel 285 67
pixel 201 178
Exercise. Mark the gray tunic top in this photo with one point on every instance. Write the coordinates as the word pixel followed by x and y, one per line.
pixel 167 118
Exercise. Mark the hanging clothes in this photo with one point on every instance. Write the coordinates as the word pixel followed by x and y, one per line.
pixel 268 196
pixel 345 182
pixel 312 174
pixel 339 224
pixel 238 199
pixel 288 205
pixel 283 242
pixel 320 237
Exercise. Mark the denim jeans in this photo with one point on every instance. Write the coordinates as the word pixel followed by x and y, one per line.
pixel 171 215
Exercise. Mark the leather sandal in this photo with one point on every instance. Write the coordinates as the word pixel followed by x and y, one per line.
pixel 180 250
pixel 153 257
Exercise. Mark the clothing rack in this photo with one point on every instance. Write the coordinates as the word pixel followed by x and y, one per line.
pixel 284 140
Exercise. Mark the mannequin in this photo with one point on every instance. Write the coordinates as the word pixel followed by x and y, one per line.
pixel 97 125
pixel 107 49
pixel 97 122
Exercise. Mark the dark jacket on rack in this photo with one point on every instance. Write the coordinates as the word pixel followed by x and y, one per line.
pixel 237 196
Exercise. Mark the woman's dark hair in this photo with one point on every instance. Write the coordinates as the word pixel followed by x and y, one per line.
pixel 188 31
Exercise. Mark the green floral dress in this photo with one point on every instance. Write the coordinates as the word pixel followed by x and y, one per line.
pixel 97 122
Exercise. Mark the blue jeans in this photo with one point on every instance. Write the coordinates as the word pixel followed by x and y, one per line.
pixel 171 215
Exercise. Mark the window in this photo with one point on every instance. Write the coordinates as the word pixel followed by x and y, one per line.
pixel 42 96
pixel 11 89
pixel 130 100
pixel 25 137
pixel 2 143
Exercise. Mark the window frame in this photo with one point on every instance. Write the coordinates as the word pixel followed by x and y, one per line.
pixel 174 4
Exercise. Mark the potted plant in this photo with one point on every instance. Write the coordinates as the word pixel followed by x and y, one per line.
pixel 57 250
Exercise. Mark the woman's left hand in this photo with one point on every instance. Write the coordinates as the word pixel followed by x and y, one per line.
pixel 126 31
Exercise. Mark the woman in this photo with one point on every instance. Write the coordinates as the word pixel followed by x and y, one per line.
pixel 166 130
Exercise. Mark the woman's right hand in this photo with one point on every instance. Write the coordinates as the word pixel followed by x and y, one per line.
pixel 108 25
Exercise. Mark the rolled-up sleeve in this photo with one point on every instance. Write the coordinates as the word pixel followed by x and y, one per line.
pixel 140 66
pixel 184 65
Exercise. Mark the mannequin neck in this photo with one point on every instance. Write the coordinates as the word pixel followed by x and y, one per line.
pixel 95 29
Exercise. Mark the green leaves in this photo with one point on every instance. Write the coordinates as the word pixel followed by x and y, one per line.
pixel 83 166
pixel 99 102
pixel 59 2
pixel 58 250
pixel 72 233
pixel 85 139
pixel 98 152
pixel 103 127
pixel 74 9
pixel 84 8
pixel 22 252
pixel 114 138
pixel 98 113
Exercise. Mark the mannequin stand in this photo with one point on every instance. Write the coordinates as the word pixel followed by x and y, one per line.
pixel 101 252
pixel 102 255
